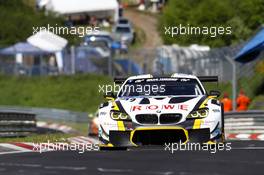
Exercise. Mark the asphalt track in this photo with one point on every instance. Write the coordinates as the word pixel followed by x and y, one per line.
pixel 246 157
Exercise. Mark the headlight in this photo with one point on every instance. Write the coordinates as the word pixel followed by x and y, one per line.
pixel 117 115
pixel 200 113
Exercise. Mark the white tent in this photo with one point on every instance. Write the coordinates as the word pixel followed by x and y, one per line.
pixel 67 7
pixel 50 42
pixel 47 41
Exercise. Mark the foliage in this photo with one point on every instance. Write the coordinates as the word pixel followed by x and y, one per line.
pixel 245 17
pixel 18 20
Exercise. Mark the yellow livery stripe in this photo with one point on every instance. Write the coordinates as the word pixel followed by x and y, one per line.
pixel 115 107
pixel 121 126
pixel 205 101
pixel 197 124
pixel 108 145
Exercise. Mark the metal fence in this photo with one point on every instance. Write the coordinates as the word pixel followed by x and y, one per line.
pixel 48 114
pixel 143 57
pixel 16 123
pixel 202 61
pixel 248 122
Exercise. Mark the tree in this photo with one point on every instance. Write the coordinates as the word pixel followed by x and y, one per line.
pixel 244 18
pixel 18 20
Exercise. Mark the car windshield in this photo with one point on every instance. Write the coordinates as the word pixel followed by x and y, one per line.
pixel 101 44
pixel 161 87
pixel 123 21
pixel 122 30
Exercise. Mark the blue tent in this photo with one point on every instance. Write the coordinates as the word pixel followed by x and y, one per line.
pixel 252 48
pixel 23 48
pixel 129 66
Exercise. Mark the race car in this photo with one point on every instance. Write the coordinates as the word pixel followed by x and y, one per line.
pixel 149 110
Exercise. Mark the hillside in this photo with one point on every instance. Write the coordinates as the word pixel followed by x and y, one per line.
pixel 78 93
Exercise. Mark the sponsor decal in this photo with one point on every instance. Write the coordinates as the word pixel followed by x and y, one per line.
pixel 183 107
pixel 102 113
pixel 206 122
pixel 216 110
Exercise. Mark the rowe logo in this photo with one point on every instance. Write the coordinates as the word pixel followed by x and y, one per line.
pixel 159 107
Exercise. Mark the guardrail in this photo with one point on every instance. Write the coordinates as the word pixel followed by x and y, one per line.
pixel 49 113
pixel 18 121
pixel 246 122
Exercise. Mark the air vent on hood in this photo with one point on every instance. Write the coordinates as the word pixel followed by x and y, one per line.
pixel 170 118
pixel 147 118
pixel 144 101
pixel 180 99
pixel 159 98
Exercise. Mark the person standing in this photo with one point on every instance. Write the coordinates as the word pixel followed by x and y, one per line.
pixel 227 102
pixel 242 101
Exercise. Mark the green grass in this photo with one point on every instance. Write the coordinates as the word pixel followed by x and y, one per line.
pixel 31 3
pixel 139 39
pixel 258 103
pixel 36 138
pixel 77 93
pixel 222 87
pixel 253 86
pixel 81 92
pixel 129 2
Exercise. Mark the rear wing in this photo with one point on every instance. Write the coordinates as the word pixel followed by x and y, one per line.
pixel 121 80
pixel 208 78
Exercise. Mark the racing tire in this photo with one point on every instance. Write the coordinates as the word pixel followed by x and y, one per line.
pixel 112 148
pixel 222 139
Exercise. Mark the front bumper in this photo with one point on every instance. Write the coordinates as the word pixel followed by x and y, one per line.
pixel 157 136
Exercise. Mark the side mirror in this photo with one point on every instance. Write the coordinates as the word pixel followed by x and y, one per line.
pixel 214 93
pixel 109 95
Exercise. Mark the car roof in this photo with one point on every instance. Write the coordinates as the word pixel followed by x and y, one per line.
pixel 175 75
pixel 124 19
pixel 123 26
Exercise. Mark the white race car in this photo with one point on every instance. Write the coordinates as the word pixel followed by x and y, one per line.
pixel 150 110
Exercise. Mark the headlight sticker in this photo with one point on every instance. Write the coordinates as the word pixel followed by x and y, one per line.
pixel 117 115
pixel 200 113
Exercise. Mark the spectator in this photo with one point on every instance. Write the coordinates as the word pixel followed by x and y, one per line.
pixel 242 101
pixel 227 102
pixel 93 21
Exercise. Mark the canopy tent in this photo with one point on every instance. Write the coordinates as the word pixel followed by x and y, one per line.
pixel 50 42
pixel 22 48
pixel 41 43
pixel 252 48
pixel 67 7
pixel 47 41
